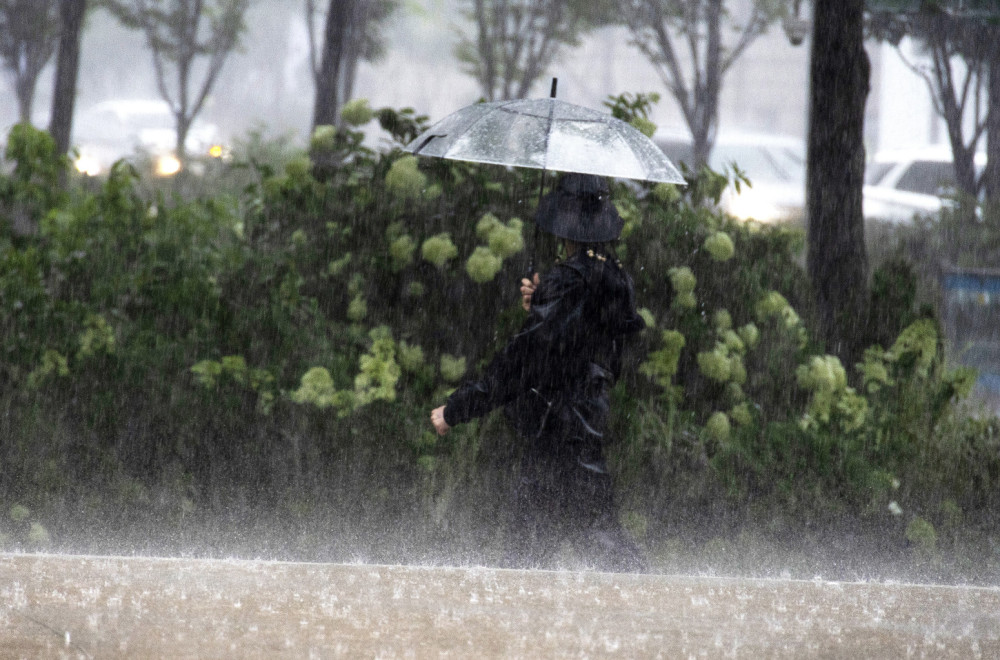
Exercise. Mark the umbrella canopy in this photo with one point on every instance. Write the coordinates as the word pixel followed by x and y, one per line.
pixel 546 134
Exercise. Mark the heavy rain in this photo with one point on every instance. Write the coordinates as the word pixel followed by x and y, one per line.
pixel 279 379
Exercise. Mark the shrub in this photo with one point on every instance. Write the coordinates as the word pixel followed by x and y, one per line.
pixel 357 112
pixel 404 179
pixel 439 249
pixel 483 265
pixel 290 339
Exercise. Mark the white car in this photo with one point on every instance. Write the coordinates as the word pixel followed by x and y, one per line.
pixel 774 164
pixel 122 128
pixel 900 185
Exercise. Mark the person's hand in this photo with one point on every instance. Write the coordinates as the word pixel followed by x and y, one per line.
pixel 437 419
pixel 527 290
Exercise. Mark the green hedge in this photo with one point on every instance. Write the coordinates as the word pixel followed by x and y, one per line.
pixel 273 350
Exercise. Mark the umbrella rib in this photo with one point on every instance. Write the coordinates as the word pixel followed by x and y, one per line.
pixel 618 137
pixel 499 105
pixel 548 132
pixel 575 120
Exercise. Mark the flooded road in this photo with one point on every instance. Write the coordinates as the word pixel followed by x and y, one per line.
pixel 54 606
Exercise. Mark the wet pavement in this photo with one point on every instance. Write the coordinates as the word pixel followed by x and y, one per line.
pixel 56 606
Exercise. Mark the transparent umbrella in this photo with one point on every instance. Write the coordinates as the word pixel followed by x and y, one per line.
pixel 546 134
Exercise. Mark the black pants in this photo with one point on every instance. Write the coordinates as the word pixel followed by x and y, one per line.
pixel 564 495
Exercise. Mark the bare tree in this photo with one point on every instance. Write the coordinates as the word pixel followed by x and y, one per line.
pixel 962 73
pixel 71 14
pixel 29 32
pixel 836 256
pixel 190 41
pixel 693 44
pixel 992 172
pixel 516 40
pixel 351 34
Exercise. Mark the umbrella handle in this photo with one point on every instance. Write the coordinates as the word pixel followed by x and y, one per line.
pixel 541 190
pixel 532 266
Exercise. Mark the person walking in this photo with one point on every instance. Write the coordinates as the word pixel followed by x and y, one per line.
pixel 554 378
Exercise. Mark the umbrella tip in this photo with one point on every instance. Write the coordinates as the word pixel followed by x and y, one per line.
pixel 552 93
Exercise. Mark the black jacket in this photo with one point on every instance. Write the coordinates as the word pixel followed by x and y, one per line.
pixel 559 368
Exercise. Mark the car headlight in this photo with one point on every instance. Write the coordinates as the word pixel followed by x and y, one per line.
pixel 167 165
pixel 220 152
pixel 87 165
pixel 749 206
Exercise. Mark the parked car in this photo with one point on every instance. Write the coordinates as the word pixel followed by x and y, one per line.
pixel 900 185
pixel 774 164
pixel 122 128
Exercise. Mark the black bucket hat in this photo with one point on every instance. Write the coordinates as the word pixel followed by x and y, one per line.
pixel 580 209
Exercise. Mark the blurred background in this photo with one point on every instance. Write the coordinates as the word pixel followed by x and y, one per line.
pixel 266 83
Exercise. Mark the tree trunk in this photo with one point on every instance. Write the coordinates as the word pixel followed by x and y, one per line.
pixel 953 112
pixel 185 62
pixel 25 90
pixel 991 178
pixel 354 43
pixel 326 109
pixel 487 54
pixel 29 45
pixel 67 66
pixel 836 255
pixel 713 77
pixel 706 86
pixel 183 128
